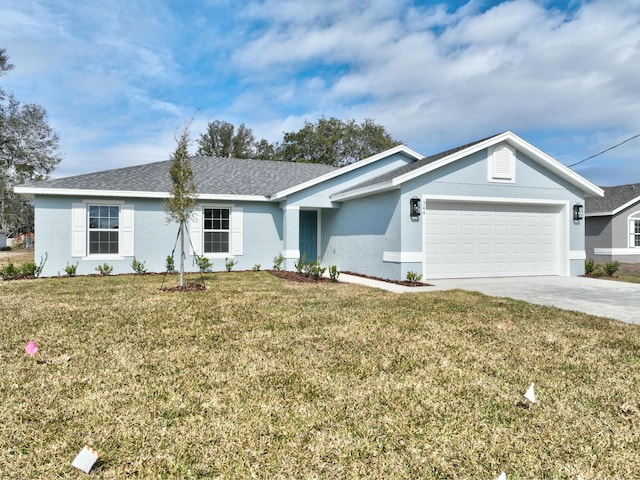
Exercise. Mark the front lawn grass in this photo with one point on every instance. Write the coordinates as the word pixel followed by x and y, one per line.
pixel 260 377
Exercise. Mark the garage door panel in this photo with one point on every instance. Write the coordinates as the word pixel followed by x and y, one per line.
pixel 468 240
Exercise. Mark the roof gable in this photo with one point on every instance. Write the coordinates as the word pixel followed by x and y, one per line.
pixel 401 175
pixel 615 200
pixel 349 168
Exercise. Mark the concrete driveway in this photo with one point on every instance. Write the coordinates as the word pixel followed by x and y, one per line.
pixel 604 298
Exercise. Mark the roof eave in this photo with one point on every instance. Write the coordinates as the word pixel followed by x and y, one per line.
pixel 33 191
pixel 363 192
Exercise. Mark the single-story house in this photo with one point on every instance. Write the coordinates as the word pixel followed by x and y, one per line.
pixel 612 225
pixel 494 207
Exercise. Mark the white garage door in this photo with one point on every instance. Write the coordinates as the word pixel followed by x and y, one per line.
pixel 464 240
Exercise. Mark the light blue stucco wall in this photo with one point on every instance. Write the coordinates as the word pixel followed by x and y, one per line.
pixel 154 239
pixel 355 236
pixel 318 195
pixel 372 225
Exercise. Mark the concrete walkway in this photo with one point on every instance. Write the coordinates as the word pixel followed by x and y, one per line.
pixel 604 298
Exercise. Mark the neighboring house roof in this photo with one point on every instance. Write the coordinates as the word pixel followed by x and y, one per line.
pixel 220 176
pixel 397 177
pixel 615 200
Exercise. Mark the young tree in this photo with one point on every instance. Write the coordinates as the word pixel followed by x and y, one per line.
pixel 179 206
pixel 28 152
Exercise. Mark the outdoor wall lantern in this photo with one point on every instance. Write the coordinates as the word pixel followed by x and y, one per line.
pixel 578 212
pixel 414 207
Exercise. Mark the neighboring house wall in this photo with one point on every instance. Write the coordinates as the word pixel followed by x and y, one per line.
pixel 598 235
pixel 611 238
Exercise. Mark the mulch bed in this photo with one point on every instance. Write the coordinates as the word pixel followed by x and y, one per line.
pixel 299 277
pixel 187 287
pixel 405 283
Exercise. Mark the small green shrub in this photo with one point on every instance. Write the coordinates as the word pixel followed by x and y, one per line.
pixel 277 262
pixel 334 273
pixel 138 267
pixel 170 264
pixel 204 264
pixel 313 269
pixel 256 267
pixel 598 271
pixel 611 267
pixel 6 248
pixel 9 271
pixel 28 269
pixel 301 264
pixel 104 270
pixel 589 265
pixel 413 276
pixel 229 263
pixel 70 270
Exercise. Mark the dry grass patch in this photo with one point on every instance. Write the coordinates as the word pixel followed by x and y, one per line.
pixel 259 377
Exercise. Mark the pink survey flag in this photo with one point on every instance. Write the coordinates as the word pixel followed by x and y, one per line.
pixel 31 348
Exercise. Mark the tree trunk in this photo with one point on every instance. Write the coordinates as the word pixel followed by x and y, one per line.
pixel 181 254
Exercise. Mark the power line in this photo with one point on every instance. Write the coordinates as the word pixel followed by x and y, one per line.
pixel 610 148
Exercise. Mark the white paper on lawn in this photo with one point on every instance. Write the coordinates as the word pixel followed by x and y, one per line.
pixel 530 394
pixel 85 459
pixel 502 476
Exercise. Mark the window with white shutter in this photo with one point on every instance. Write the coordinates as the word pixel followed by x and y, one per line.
pixel 102 230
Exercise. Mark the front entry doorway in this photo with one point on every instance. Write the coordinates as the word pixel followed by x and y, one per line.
pixel 308 234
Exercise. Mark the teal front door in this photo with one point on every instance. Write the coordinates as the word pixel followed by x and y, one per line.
pixel 309 234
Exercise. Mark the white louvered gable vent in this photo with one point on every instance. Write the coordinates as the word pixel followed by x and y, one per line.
pixel 502 164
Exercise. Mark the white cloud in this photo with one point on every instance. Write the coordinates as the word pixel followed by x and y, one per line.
pixel 433 75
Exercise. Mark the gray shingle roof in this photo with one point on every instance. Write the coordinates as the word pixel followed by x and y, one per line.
pixel 614 197
pixel 221 176
pixel 413 166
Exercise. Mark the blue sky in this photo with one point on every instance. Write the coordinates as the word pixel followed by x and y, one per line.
pixel 119 78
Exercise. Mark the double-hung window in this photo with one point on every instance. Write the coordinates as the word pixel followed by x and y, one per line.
pixel 216 230
pixel 104 224
pixel 634 230
pixel 102 230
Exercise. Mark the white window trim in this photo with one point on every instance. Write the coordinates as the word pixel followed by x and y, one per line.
pixel 492 175
pixel 80 230
pixel 196 231
pixel 631 230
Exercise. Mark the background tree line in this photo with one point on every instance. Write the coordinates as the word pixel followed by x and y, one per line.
pixel 328 141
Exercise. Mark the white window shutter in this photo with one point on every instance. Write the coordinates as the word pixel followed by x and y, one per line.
pixel 195 232
pixel 126 230
pixel 78 230
pixel 632 233
pixel 236 231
